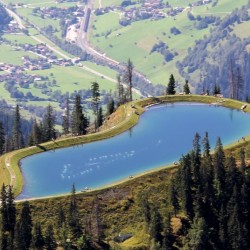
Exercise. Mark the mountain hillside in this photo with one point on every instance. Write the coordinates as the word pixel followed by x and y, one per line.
pixel 222 58
pixel 4 18
pixel 159 36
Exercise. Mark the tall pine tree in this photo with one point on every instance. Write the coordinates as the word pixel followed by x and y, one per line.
pixel 79 122
pixel 18 141
pixel 66 118
pixel 171 86
pixel 2 139
pixel 128 78
pixel 24 228
pixel 49 132
pixel 186 89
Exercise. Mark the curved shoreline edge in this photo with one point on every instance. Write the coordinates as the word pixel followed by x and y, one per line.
pixel 130 116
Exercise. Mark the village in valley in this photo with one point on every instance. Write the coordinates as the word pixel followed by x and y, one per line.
pixel 149 9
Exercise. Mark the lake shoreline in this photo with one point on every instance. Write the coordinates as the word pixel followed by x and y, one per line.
pixel 131 120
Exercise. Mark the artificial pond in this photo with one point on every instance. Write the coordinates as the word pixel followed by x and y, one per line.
pixel 163 134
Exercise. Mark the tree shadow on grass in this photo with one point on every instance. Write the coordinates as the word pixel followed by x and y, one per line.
pixel 41 147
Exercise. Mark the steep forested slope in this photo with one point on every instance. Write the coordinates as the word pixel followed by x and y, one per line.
pixel 222 58
pixel 4 18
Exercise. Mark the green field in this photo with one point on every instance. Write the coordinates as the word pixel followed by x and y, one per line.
pixel 136 40
pixel 12 55
pixel 66 78
pixel 20 39
pixel 102 69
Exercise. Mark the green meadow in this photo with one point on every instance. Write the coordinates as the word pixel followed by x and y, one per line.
pixel 73 78
pixel 135 41
pixel 13 56
pixel 20 39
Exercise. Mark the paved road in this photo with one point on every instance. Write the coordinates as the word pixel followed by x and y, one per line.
pixel 54 47
pixel 82 42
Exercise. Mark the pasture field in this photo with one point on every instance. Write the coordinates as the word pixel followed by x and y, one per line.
pixel 38 21
pixel 102 69
pixel 12 55
pixel 242 30
pixel 73 78
pixel 135 41
pixel 20 39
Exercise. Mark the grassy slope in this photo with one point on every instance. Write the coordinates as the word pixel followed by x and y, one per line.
pixel 136 40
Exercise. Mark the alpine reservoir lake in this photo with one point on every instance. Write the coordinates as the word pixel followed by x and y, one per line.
pixel 163 134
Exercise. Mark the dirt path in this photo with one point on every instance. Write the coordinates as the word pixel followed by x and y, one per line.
pixel 11 171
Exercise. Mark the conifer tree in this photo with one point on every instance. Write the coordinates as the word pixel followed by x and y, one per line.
pixel 111 107
pixel 171 86
pixel 121 92
pixel 232 175
pixel 24 228
pixel 207 175
pixel 18 141
pixel 37 239
pixel 36 134
pixel 196 161
pixel 66 118
pixel 49 239
pixel 95 100
pixel 186 186
pixel 2 139
pixel 219 181
pixel 156 226
pixel 99 118
pixel 174 198
pixel 73 219
pixel 239 84
pixel 128 78
pixel 168 237
pixel 223 233
pixel 79 122
pixel 198 235
pixel 4 218
pixel 11 210
pixel 242 161
pixel 145 208
pixel 49 132
pixel 216 90
pixel 236 229
pixel 186 89
pixel 8 217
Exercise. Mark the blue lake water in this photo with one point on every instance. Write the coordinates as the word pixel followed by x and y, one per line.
pixel 163 134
